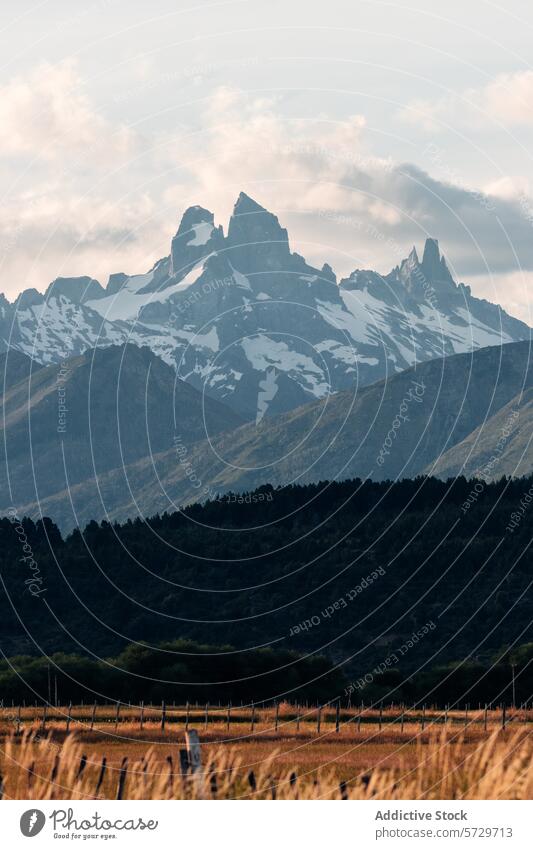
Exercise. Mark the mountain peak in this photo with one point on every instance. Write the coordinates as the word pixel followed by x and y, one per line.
pixel 29 298
pixel 75 289
pixel 256 239
pixel 196 238
pixel 433 264
pixel 195 215
pixel 245 204
pixel 413 256
pixel 416 276
pixel 431 251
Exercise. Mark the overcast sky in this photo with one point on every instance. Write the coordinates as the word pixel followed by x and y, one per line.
pixel 365 126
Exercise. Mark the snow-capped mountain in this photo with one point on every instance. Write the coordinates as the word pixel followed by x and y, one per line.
pixel 243 318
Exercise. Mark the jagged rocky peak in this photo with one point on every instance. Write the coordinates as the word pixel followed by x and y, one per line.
pixel 328 272
pixel 434 265
pixel 361 279
pixel 115 282
pixel 412 260
pixel 419 278
pixel 75 289
pixel 29 298
pixel 256 241
pixel 196 238
pixel 381 288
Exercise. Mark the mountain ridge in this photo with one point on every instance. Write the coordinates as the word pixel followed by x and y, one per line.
pixel 402 427
pixel 229 311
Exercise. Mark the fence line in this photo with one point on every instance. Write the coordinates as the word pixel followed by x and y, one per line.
pixel 278 718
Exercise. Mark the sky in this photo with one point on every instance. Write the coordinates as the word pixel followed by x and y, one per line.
pixel 365 126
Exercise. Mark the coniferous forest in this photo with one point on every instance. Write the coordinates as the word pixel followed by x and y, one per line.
pixel 384 590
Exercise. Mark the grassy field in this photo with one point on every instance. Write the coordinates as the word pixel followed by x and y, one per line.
pixel 265 753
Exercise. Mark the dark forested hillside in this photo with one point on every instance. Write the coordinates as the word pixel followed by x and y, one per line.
pixel 352 570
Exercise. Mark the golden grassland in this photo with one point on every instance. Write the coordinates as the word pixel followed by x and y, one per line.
pixel 279 754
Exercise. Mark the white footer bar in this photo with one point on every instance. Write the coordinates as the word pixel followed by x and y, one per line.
pixel 264 825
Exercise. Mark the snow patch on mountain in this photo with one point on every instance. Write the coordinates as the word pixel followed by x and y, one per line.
pixel 202 234
pixel 263 352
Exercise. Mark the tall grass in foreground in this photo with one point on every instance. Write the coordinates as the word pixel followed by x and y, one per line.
pixel 36 767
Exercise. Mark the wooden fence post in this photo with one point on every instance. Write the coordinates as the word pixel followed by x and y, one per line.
pixel 141 716
pixel 163 715
pixel 187 716
pixel 117 715
pixel 122 778
pixel 69 717
pixel 93 716
pixel 44 718
pixel 81 767
pixel 318 719
pixel 485 718
pixel 228 717
pixel 170 780
pixel 101 776
pixel 253 718
pixel 206 714
pixel 380 715
pixel 194 750
pixel 194 757
pixel 276 723
pixel 337 716
pixel 184 762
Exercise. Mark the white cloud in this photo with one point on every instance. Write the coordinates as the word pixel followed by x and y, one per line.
pixel 513 290
pixel 510 187
pixel 72 206
pixel 507 100
pixel 341 204
pixel 305 168
pixel 47 114
pixel 510 98
pixel 246 143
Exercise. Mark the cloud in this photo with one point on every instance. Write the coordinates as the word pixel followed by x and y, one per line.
pixel 69 208
pixel 512 290
pixel 510 98
pixel 507 99
pixel 47 114
pixel 340 203
pixel 305 168
pixel 247 143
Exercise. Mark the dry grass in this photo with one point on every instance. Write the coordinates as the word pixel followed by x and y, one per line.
pixel 360 761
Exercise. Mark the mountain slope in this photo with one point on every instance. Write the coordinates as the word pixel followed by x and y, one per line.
pixel 393 429
pixel 75 421
pixel 245 319
pixel 15 366
pixel 502 446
